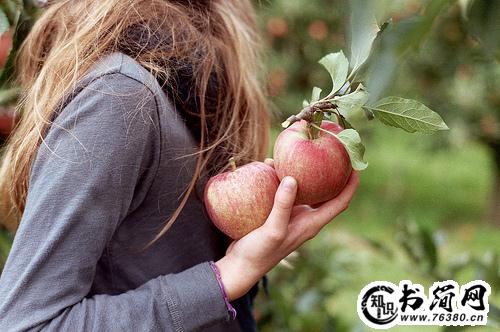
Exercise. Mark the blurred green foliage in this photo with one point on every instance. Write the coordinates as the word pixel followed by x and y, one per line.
pixel 419 211
pixel 16 19
pixel 416 216
pixel 20 16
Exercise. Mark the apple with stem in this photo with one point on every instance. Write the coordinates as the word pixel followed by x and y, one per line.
pixel 319 154
pixel 318 161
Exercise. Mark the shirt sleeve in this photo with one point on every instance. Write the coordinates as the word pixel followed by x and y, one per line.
pixel 102 147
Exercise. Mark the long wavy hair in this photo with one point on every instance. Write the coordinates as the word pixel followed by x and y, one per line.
pixel 203 44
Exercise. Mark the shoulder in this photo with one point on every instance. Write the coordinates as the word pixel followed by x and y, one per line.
pixel 125 71
pixel 122 82
pixel 117 79
pixel 116 87
pixel 112 113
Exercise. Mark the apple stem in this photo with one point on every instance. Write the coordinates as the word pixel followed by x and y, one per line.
pixel 232 163
pixel 309 129
pixel 317 119
pixel 307 112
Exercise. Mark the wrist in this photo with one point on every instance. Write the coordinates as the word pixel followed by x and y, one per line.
pixel 229 307
pixel 237 276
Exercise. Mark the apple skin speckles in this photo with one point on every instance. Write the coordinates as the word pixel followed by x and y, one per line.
pixel 240 201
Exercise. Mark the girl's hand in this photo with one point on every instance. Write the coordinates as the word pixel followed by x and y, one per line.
pixel 248 259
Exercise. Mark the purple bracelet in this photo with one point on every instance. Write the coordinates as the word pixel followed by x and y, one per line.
pixel 230 308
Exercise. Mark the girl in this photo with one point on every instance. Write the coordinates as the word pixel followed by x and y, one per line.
pixel 129 106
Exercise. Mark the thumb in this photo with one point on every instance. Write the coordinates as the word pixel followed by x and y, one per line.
pixel 283 204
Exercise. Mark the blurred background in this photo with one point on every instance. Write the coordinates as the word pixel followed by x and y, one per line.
pixel 428 206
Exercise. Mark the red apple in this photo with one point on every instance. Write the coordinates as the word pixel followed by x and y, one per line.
pixel 5 47
pixel 240 200
pixel 321 166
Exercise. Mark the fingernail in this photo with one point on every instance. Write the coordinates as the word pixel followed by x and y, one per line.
pixel 289 183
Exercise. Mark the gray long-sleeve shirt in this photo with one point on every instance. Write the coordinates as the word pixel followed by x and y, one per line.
pixel 104 181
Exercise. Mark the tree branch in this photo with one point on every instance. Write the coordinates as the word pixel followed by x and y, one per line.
pixel 307 112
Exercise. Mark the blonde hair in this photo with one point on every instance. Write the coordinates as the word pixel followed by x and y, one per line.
pixel 213 38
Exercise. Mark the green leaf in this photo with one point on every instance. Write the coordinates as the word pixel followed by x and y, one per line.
pixel 8 95
pixel 305 103
pixel 364 29
pixel 351 102
pixel 429 249
pixel 13 10
pixel 356 150
pixel 407 114
pixel 4 22
pixel 343 122
pixel 368 114
pixel 337 66
pixel 352 143
pixel 417 34
pixel 315 94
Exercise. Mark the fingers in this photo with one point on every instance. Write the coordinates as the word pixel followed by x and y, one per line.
pixel 269 162
pixel 307 225
pixel 277 222
pixel 330 209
